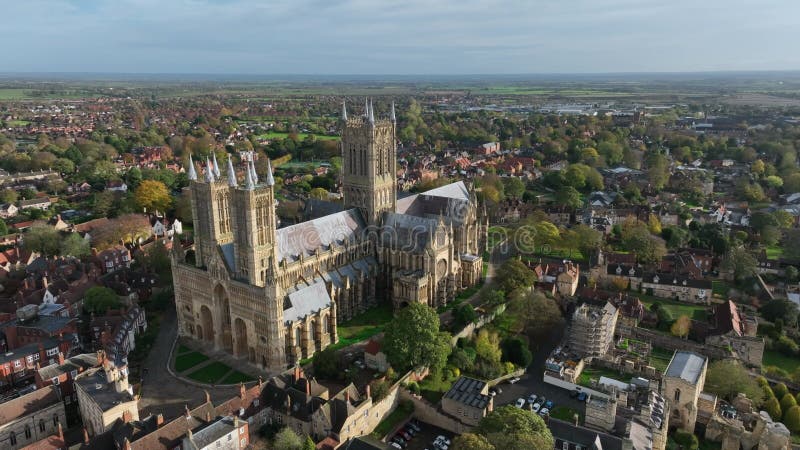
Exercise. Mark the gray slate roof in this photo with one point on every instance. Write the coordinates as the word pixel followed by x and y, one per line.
pixel 687 366
pixel 305 301
pixel 306 237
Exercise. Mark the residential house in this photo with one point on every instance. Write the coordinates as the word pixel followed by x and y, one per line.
pixel 8 210
pixel 41 203
pixel 677 287
pixel 103 397
pixel 374 358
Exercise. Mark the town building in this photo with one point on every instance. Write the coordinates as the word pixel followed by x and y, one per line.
pixel 468 400
pixel 274 296
pixel 683 383
pixel 31 418
pixel 227 433
pixel 103 397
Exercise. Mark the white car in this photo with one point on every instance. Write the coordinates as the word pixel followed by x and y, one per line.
pixel 544 412
pixel 520 402
pixel 536 407
pixel 513 380
pixel 396 445
pixel 532 398
pixel 442 440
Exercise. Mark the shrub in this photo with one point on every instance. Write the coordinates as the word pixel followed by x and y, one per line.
pixel 792 419
pixel 780 390
pixel 687 440
pixel 787 402
pixel 773 408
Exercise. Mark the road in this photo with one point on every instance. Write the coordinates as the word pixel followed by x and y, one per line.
pixel 163 393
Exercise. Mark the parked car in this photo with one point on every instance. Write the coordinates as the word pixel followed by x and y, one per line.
pixel 413 423
pixel 513 380
pixel 544 411
pixel 520 402
pixel 412 432
pixel 396 445
pixel 532 398
pixel 549 404
pixel 582 397
pixel 405 435
pixel 442 439
pixel 536 407
pixel 399 441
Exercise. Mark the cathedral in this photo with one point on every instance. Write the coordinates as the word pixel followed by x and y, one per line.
pixel 274 296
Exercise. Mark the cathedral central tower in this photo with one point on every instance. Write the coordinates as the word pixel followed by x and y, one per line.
pixel 369 163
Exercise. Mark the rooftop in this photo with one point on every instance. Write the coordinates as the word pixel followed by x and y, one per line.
pixel 29 404
pixel 687 366
pixel 468 391
pixel 94 383
pixel 214 431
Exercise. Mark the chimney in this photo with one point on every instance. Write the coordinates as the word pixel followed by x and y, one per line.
pixel 60 432
pixel 242 390
pixel 308 387
pixel 127 417
pixel 208 397
pixel 159 420
pixel 85 435
pixel 296 373
pixel 60 358
pixel 369 392
pixel 347 396
pixel 208 416
pixel 188 413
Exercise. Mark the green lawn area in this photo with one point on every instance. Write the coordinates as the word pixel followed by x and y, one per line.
pixel 660 358
pixel 720 289
pixel 18 123
pixel 774 252
pixel 775 358
pixel 188 360
pixel 403 410
pixel 300 136
pixel 574 255
pixel 677 309
pixel 594 373
pixel 236 377
pixel 12 94
pixel 183 349
pixel 364 326
pixel 210 373
pixel 433 390
pixel 565 414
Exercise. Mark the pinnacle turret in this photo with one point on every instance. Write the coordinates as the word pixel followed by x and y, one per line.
pixel 344 111
pixel 248 178
pixel 371 116
pixel 231 174
pixel 216 167
pixel 392 116
pixel 253 171
pixel 192 171
pixel 209 171
pixel 270 181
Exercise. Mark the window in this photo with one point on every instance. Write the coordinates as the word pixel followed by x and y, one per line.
pixel 27 432
pixel 73 374
pixel 12 437
pixel 244 443
pixel 55 381
pixel 55 420
pixel 41 425
pixel 677 395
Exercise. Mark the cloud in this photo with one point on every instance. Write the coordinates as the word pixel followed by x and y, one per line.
pixel 388 37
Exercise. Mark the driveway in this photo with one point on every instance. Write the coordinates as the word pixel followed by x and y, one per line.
pixel 163 393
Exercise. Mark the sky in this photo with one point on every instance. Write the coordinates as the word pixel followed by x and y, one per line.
pixel 377 37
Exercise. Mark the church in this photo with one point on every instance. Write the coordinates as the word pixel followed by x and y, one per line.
pixel 274 296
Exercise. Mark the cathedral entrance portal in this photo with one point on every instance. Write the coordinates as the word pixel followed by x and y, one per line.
pixel 222 302
pixel 207 320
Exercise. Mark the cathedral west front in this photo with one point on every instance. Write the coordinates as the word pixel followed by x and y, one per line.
pixel 275 295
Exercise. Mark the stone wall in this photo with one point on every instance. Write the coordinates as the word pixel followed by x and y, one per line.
pixel 469 330
pixel 429 413
pixel 674 343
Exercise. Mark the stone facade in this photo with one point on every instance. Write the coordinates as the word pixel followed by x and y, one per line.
pixel 683 382
pixel 31 418
pixel 592 329
pixel 275 296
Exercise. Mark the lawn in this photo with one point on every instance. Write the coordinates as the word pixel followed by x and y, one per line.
pixel 211 373
pixel 660 358
pixel 720 289
pixel 18 123
pixel 775 252
pixel 573 255
pixel 677 309
pixel 401 413
pixel 300 136
pixel 364 326
pixel 566 414
pixel 183 349
pixel 594 373
pixel 777 359
pixel 236 377
pixel 189 360
pixel 432 389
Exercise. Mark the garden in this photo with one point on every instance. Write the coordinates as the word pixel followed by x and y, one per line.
pixel 198 367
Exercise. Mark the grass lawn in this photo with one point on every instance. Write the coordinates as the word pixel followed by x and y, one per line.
pixel 677 309
pixel 574 255
pixel 720 289
pixel 775 358
pixel 401 413
pixel 189 360
pixel 236 377
pixel 300 136
pixel 594 373
pixel 774 252
pixel 565 414
pixel 433 390
pixel 210 373
pixel 659 358
pixel 183 349
pixel 364 326
pixel 12 94
pixel 18 123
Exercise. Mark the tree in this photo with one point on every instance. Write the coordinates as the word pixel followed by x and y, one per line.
pixel 740 263
pixel 788 401
pixel 3 228
pixel 681 326
pixel 534 313
pixel 728 377
pixel 471 441
pixel 791 242
pixel 657 170
pixel 773 408
pixel 42 239
pixel 588 239
pixel 8 196
pixel 688 441
pixel 318 193
pixel 512 428
pixel 514 187
pixel 413 340
pixel 100 299
pixel 74 245
pixel 464 314
pixel 568 196
pixel 513 275
pixel 636 238
pixel 516 350
pixel 326 363
pixel 287 439
pixel 152 195
pixel 791 419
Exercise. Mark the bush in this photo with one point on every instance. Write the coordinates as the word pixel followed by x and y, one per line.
pixel 792 419
pixel 773 408
pixel 687 440
pixel 326 364
pixel 516 350
pixel 780 390
pixel 787 402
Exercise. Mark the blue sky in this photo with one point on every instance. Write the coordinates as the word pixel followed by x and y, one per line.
pixel 398 37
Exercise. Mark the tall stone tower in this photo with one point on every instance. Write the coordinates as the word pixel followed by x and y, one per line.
pixel 369 164
pixel 210 211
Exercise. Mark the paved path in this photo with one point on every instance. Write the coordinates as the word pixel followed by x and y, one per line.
pixel 163 393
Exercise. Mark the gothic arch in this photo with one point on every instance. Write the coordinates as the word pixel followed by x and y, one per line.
pixel 207 321
pixel 240 333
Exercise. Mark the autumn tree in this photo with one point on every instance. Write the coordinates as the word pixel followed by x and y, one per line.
pixel 681 327
pixel 512 428
pixel 74 245
pixel 740 263
pixel 152 195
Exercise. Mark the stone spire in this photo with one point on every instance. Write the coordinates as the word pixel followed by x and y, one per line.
pixel 392 116
pixel 344 111
pixel 270 180
pixel 216 166
pixel 209 171
pixel 192 171
pixel 366 107
pixel 231 173
pixel 371 114
pixel 248 178
pixel 253 173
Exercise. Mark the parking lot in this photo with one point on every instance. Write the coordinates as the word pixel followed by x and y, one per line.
pixel 424 439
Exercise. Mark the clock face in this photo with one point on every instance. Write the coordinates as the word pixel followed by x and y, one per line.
pixel 441 268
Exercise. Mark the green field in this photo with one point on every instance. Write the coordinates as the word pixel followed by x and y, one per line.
pixel 12 94
pixel 594 373
pixel 188 360
pixel 777 359
pixel 211 373
pixel 18 123
pixel 236 377
pixel 677 309
pixel 300 136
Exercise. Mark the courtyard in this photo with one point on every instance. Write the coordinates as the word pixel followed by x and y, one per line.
pixel 197 366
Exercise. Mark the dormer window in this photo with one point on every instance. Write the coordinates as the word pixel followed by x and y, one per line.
pixel 632 272
pixel 655 279
pixel 619 270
